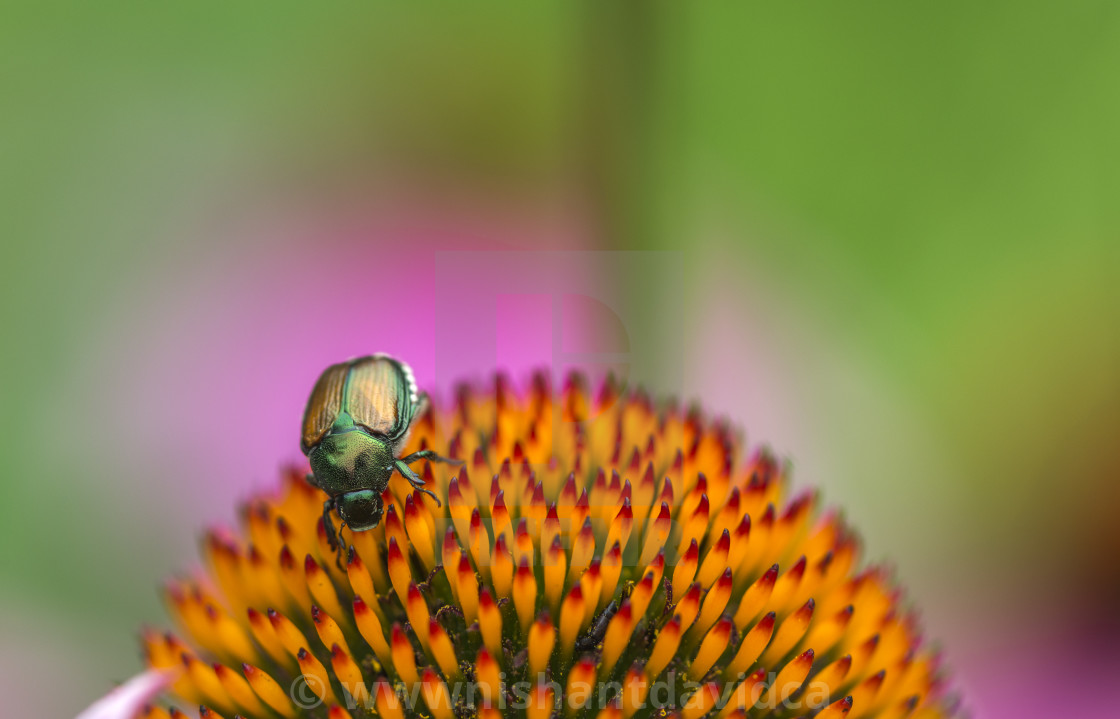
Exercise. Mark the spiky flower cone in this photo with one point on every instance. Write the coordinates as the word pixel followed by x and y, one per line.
pixel 592 557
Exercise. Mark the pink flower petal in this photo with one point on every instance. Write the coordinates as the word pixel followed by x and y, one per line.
pixel 126 700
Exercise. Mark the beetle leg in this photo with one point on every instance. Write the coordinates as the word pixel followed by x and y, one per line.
pixel 334 537
pixel 328 524
pixel 430 456
pixel 414 479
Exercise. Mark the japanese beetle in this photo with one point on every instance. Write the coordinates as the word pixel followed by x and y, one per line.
pixel 355 425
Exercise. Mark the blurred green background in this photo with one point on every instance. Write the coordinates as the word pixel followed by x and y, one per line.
pixel 899 264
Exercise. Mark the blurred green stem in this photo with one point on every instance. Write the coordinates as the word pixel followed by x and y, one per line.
pixel 617 103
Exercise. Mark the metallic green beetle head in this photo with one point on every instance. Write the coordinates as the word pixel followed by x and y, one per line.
pixel 360 510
